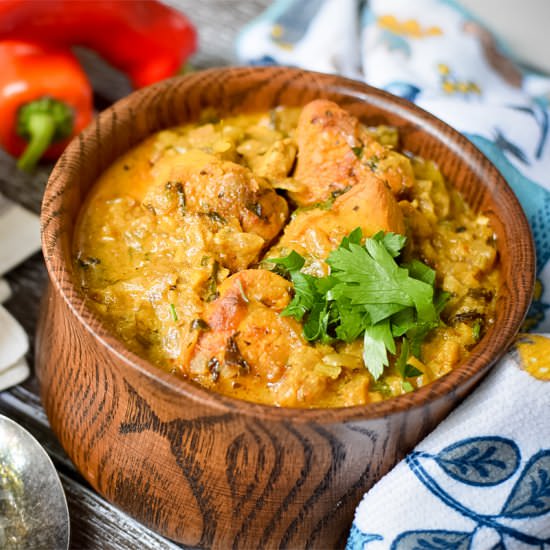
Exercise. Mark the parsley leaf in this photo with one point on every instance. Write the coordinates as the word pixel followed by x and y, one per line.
pixel 411 371
pixel 305 296
pixel 392 241
pixel 406 370
pixel 173 312
pixel 476 330
pixel 352 322
pixel 376 342
pixel 421 271
pixel 367 294
pixel 292 262
pixel 401 363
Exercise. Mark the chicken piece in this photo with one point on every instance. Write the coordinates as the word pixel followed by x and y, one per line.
pixel 315 233
pixel 248 338
pixel 370 206
pixel 326 136
pixel 335 149
pixel 253 292
pixel 229 194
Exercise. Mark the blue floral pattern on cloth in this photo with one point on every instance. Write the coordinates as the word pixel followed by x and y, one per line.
pixel 480 462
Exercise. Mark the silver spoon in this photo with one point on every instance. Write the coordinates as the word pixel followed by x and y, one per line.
pixel 33 508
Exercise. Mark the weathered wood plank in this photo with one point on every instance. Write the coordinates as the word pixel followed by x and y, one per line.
pixel 97 525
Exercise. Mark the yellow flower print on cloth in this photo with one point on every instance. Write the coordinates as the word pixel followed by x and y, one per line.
pixel 450 84
pixel 534 353
pixel 407 27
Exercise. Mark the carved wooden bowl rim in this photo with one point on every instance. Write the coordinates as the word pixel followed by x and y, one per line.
pixel 486 353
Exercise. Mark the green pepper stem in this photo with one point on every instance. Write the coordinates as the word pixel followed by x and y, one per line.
pixel 42 122
pixel 41 129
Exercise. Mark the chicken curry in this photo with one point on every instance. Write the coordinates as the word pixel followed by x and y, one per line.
pixel 178 249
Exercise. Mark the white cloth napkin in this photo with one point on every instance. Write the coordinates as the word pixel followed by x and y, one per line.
pixel 19 238
pixel 481 480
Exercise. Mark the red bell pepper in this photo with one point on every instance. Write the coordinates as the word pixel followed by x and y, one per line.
pixel 143 38
pixel 45 99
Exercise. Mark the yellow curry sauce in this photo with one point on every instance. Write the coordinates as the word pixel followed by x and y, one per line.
pixel 169 246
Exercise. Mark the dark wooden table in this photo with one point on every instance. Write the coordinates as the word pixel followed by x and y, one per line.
pixel 95 523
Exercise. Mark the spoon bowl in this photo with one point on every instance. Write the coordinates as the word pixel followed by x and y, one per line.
pixel 33 508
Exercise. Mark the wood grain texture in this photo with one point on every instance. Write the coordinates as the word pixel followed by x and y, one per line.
pixel 205 469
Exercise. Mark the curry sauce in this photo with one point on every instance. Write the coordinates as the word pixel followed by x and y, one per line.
pixel 173 243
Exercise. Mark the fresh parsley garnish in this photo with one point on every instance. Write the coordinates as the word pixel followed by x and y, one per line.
pixel 367 294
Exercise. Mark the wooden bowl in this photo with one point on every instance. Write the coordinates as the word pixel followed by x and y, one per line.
pixel 209 470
